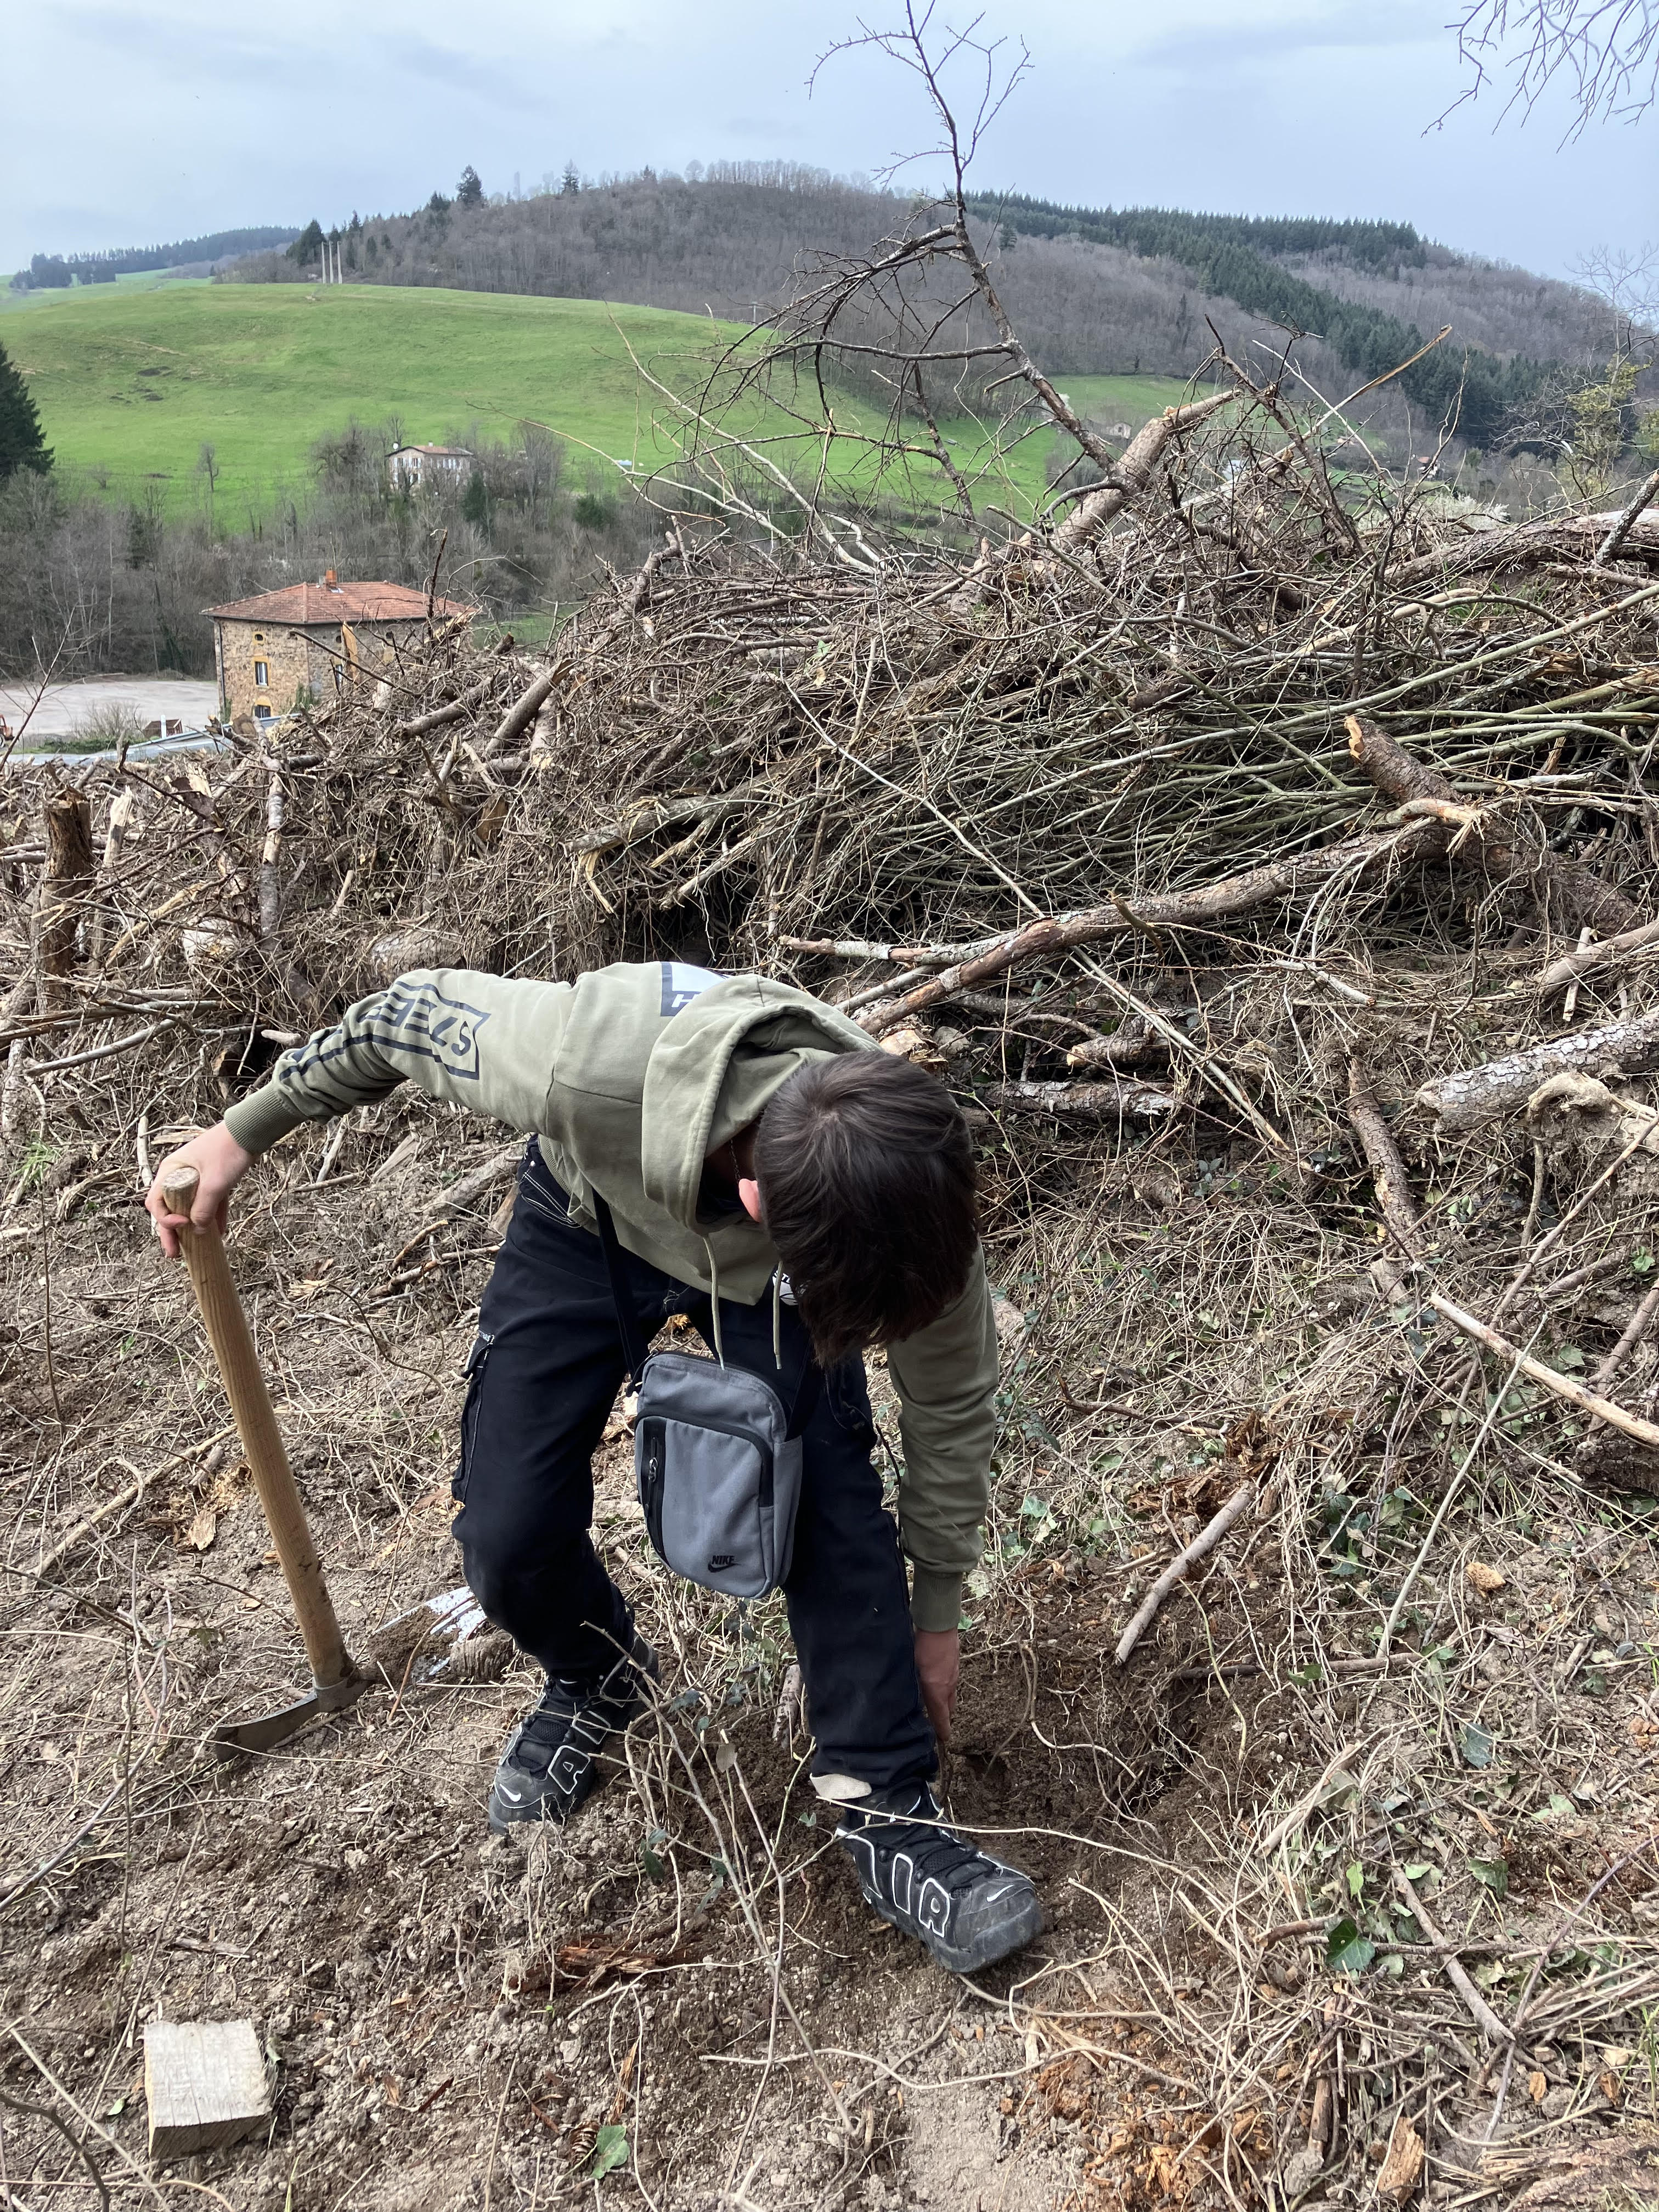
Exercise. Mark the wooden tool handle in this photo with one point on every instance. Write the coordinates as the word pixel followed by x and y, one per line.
pixel 256 1422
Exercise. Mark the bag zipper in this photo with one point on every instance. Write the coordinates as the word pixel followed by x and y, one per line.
pixel 651 1479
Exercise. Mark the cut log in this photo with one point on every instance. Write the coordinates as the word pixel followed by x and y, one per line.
pixel 1612 952
pixel 1089 1102
pixel 1397 774
pixel 1356 859
pixel 451 711
pixel 1131 475
pixel 271 856
pixel 1134 472
pixel 123 812
pixel 1471 1096
pixel 412 944
pixel 1133 1039
pixel 525 708
pixel 1388 1178
pixel 205 2084
pixel 1571 536
pixel 1564 889
pixel 497 1169
pixel 67 881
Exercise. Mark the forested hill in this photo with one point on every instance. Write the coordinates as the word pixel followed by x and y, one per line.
pixel 1252 261
pixel 50 271
pixel 1096 291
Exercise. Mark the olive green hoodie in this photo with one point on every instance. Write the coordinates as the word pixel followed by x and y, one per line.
pixel 630 1078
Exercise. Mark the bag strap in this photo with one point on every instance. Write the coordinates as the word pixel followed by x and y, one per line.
pixel 633 1344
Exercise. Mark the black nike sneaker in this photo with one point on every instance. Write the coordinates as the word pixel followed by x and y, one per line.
pixel 550 1763
pixel 967 1907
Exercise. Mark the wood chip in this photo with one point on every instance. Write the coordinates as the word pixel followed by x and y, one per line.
pixel 203 1529
pixel 1402 2165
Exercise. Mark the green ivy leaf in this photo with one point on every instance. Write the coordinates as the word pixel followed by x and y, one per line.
pixel 610 2151
pixel 1346 1951
pixel 1475 1743
pixel 1356 1879
pixel 1494 1872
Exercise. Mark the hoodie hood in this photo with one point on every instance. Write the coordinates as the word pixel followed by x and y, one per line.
pixel 713 1070
pixel 657 1067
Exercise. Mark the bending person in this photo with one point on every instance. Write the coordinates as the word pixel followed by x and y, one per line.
pixel 796 1192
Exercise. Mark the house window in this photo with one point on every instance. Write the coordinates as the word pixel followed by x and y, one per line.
pixel 262 714
pixel 262 673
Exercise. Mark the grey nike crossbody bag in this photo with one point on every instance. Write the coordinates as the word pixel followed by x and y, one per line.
pixel 717 1453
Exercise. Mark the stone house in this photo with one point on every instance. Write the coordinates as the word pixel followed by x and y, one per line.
pixel 304 644
pixel 411 467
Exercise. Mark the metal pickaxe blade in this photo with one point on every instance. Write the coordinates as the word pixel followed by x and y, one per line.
pixel 231 1738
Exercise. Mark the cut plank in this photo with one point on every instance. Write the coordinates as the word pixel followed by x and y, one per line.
pixel 205 2084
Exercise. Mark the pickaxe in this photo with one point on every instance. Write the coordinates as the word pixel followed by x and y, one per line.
pixel 336 1681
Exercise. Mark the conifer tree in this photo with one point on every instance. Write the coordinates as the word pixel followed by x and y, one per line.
pixel 21 444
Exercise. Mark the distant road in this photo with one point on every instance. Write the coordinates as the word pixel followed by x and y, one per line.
pixel 65 708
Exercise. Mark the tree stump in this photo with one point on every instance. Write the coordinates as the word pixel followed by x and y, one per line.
pixel 68 879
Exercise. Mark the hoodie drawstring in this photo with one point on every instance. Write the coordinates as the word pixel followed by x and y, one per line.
pixel 715 1298
pixel 777 1319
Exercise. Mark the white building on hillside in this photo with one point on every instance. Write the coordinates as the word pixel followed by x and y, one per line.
pixel 410 466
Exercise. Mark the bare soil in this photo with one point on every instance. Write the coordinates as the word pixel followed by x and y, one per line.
pixel 453 2020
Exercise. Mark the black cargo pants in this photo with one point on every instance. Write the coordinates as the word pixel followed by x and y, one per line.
pixel 543 1378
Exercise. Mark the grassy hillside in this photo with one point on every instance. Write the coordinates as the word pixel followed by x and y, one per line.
pixel 130 382
pixel 133 378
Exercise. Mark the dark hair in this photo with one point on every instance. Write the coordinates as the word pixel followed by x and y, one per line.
pixel 866 1171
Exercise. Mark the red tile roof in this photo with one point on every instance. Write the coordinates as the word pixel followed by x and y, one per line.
pixel 306 606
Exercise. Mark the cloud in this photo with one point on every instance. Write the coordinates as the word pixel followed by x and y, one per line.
pixel 178 51
pixel 189 115
pixel 1345 31
pixel 484 79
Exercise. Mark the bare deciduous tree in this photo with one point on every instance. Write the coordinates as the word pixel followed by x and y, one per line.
pixel 1605 51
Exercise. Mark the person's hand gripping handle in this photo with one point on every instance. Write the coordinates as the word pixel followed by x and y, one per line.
pixel 256 1421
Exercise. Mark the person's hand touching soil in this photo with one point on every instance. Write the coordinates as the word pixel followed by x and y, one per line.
pixel 219 1163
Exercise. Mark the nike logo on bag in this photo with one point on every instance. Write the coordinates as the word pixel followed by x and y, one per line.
pixel 720 1560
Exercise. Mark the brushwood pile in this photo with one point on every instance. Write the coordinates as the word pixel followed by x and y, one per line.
pixel 1272 873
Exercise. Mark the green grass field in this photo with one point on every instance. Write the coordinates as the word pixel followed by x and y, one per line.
pixel 130 379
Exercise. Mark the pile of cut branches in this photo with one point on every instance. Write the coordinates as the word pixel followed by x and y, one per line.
pixel 1272 873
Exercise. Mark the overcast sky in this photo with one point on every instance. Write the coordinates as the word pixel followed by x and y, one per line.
pixel 129 122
